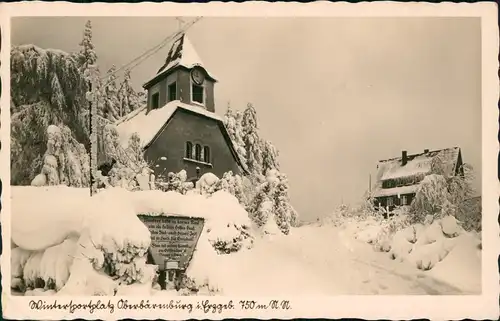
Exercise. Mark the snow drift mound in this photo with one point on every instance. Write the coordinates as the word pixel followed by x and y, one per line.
pixel 226 229
pixel 45 216
pixel 422 245
pixel 71 242
pixel 76 244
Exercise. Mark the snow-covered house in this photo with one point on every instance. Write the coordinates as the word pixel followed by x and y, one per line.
pixel 398 178
pixel 179 128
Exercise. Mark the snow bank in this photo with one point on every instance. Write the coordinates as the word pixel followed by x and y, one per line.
pixel 440 247
pixel 46 216
pixel 424 246
pixel 462 266
pixel 98 245
pixel 71 242
pixel 226 228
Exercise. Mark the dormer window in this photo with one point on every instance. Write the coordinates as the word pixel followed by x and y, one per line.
pixel 197 92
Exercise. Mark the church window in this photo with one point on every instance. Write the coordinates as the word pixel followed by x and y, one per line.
pixel 206 154
pixel 172 91
pixel 198 152
pixel 197 93
pixel 189 150
pixel 155 101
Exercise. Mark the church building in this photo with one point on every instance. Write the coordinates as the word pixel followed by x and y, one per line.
pixel 179 128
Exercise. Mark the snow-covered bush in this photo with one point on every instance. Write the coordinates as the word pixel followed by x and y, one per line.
pixel 207 184
pixel 176 182
pixel 345 214
pixel 425 246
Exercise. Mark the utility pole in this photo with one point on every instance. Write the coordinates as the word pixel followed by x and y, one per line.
pixel 93 130
pixel 180 22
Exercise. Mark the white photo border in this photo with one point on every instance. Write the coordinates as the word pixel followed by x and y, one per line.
pixel 484 306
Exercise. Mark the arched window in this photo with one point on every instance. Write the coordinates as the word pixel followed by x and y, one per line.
pixel 189 150
pixel 198 152
pixel 206 154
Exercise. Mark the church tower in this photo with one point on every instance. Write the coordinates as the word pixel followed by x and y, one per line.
pixel 182 77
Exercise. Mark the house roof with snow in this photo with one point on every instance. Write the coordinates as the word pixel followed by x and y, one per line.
pixel 181 54
pixel 414 166
pixel 149 125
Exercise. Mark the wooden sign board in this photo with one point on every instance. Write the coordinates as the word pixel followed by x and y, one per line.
pixel 173 238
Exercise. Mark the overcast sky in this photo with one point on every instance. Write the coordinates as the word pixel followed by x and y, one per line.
pixel 333 94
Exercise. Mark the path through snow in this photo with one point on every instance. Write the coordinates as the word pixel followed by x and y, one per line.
pixel 326 261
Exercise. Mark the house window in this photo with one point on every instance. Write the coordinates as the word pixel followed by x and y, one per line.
pixel 155 101
pixel 198 152
pixel 404 200
pixel 197 92
pixel 172 91
pixel 390 201
pixel 189 150
pixel 206 154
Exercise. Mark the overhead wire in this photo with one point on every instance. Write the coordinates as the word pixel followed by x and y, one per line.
pixel 140 59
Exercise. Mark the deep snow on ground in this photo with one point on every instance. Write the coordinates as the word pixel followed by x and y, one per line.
pixel 327 260
pixel 312 260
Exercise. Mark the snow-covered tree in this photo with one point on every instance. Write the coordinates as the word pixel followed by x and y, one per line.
pixel 431 197
pixel 129 163
pixel 282 209
pixel 128 98
pixel 271 208
pixel 269 157
pixel 47 88
pixel 232 184
pixel 446 192
pixel 142 97
pixel 111 103
pixel 251 140
pixel 232 121
pixel 294 217
pixel 261 209
pixel 65 162
pixel 87 55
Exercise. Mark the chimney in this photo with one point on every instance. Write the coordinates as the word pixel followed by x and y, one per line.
pixel 404 158
pixel 426 151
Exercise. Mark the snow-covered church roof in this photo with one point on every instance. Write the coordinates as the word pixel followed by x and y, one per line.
pixel 182 53
pixel 417 165
pixel 149 125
